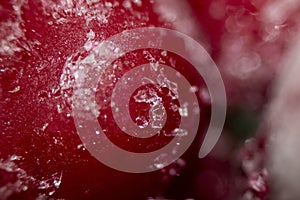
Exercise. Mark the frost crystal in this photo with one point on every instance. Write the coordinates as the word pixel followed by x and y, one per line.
pixel 24 181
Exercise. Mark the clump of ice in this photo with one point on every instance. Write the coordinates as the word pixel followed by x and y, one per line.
pixel 63 11
pixel 11 32
pixel 23 181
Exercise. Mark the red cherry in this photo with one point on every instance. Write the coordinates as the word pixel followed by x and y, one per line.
pixel 41 155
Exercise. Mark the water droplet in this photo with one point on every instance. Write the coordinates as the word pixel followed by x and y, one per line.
pixel 154 65
pixel 193 89
pixel 161 161
pixel 91 35
pixel 183 111
pixel 138 2
pixel 16 89
pixel 164 53
pixel 81 146
pixel 44 126
pixel 126 4
pixel 204 95
pixel 179 132
pixel 15 157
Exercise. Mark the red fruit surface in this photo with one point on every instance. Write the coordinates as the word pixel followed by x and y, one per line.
pixel 41 155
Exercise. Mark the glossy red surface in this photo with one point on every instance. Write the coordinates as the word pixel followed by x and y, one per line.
pixel 41 155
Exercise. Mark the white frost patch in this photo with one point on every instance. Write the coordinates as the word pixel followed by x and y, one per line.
pixel 81 73
pixel 16 89
pixel 89 43
pixel 63 11
pixel 283 120
pixel 11 32
pixel 23 182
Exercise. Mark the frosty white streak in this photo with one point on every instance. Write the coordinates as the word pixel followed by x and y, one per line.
pixel 283 126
